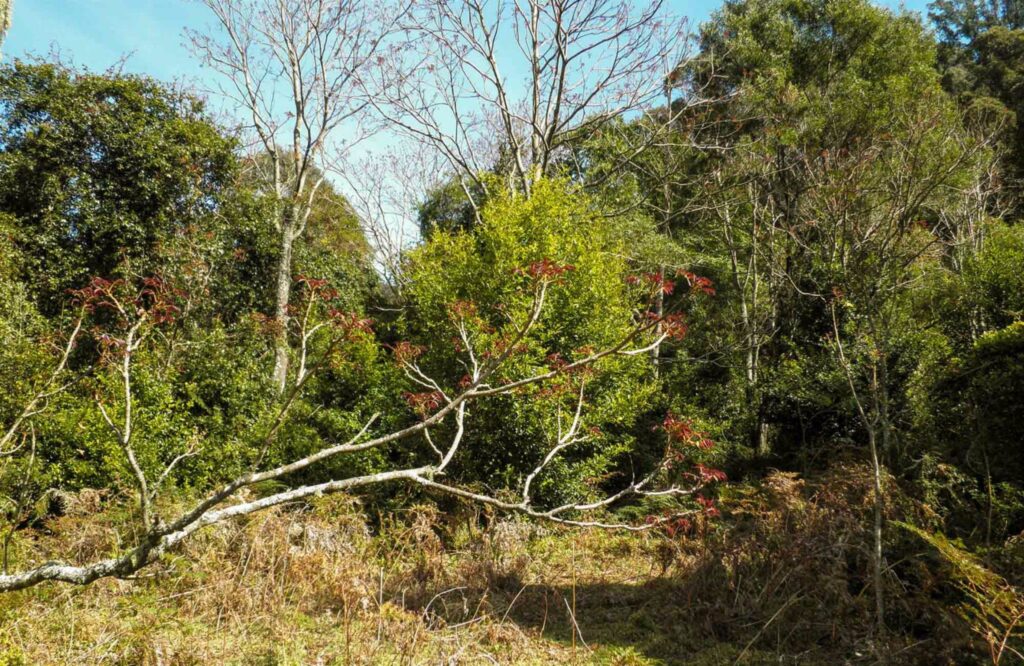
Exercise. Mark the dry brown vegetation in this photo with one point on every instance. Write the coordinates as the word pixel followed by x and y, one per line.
pixel 778 578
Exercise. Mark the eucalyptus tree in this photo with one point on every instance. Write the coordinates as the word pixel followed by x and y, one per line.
pixel 6 9
pixel 981 57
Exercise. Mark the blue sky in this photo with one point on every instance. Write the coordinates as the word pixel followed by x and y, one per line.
pixel 96 33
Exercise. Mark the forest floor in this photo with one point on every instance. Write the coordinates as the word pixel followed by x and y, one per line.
pixel 777 579
pixel 314 586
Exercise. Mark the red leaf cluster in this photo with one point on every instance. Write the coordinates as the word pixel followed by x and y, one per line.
pixel 98 293
pixel 657 281
pixel 698 283
pixel 707 505
pixel 350 322
pixel 406 352
pixel 463 309
pixel 153 299
pixel 318 287
pixel 675 326
pixel 709 474
pixel 545 269
pixel 678 527
pixel 423 403
pixel 681 431
pixel 503 345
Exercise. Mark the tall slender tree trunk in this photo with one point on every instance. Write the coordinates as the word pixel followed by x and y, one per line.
pixel 872 417
pixel 281 297
pixel 659 309
pixel 878 421
pixel 6 9
pixel 879 510
pixel 666 230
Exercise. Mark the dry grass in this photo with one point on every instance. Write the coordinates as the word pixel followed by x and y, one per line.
pixel 779 581
pixel 311 585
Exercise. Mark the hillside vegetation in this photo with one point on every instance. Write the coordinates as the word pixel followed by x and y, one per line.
pixel 706 347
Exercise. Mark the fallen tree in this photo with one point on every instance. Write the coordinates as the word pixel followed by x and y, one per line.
pixel 134 313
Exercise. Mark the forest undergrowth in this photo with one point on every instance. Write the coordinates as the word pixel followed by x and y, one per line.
pixel 777 580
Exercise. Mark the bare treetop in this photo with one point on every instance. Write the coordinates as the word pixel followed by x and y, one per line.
pixel 294 67
pixel 296 70
pixel 513 80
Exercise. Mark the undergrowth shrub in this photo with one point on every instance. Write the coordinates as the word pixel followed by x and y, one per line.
pixel 791 566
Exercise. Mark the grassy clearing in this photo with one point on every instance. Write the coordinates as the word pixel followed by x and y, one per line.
pixel 780 579
pixel 313 586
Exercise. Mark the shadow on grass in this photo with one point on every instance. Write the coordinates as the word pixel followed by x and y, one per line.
pixel 656 622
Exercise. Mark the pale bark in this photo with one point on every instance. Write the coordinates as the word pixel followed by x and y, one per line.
pixel 6 9
pixel 159 536
pixel 297 68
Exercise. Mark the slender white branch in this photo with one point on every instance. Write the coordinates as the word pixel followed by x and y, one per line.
pixel 32 406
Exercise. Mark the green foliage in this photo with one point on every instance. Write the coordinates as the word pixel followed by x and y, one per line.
pixel 824 102
pixel 448 208
pixel 590 306
pixel 111 175
pixel 835 193
pixel 993 281
pixel 993 376
pixel 100 172
pixel 332 247
pixel 799 54
pixel 967 412
pixel 981 53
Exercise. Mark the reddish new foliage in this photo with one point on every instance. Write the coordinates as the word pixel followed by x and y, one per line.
pixel 675 326
pixel 462 309
pixel 656 280
pixel 406 352
pixel 157 298
pixel 501 346
pixel 423 403
pixel 707 504
pixel 660 283
pixel 678 527
pixel 98 293
pixel 318 287
pixel 708 474
pixel 559 363
pixel 698 284
pixel 545 269
pixel 350 323
pixel 154 299
pixel 680 431
pixel 152 302
pixel 268 325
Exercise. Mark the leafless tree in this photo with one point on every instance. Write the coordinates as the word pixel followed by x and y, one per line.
pixel 747 223
pixel 444 413
pixel 512 83
pixel 385 190
pixel 295 69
